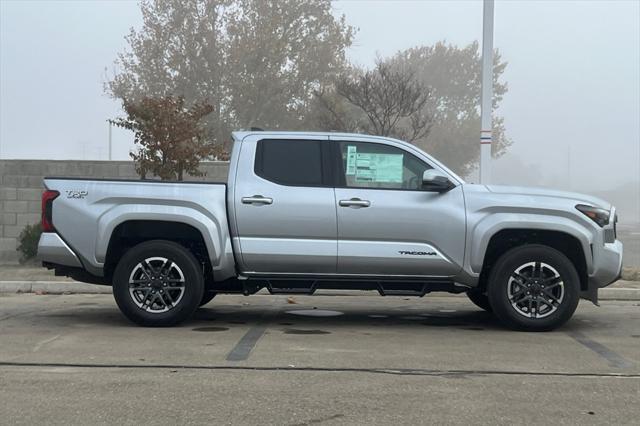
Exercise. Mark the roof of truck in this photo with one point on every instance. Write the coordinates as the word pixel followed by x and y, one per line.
pixel 241 134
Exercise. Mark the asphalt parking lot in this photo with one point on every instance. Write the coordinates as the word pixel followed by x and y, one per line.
pixel 323 360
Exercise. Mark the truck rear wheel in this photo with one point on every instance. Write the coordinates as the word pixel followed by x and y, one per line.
pixel 534 288
pixel 158 284
pixel 207 297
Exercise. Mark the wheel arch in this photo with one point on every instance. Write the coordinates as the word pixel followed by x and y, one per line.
pixel 130 233
pixel 211 226
pixel 508 238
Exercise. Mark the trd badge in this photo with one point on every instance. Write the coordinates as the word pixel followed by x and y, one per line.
pixel 76 194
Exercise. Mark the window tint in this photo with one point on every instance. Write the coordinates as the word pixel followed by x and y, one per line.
pixel 290 162
pixel 370 165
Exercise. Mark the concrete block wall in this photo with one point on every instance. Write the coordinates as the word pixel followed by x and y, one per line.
pixel 21 188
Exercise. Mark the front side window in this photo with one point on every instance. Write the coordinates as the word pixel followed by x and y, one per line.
pixel 372 165
pixel 290 162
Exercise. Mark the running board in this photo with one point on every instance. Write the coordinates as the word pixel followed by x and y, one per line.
pixel 309 286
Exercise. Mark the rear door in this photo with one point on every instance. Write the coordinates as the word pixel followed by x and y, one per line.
pixel 387 225
pixel 285 206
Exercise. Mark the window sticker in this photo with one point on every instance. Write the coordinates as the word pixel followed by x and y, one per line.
pixel 379 168
pixel 351 160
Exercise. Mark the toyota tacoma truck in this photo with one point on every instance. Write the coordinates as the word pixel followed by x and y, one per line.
pixel 308 211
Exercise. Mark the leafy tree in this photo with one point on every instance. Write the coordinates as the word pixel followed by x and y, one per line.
pixel 449 78
pixel 256 62
pixel 169 136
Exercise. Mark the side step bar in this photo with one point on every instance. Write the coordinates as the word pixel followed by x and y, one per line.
pixel 309 286
pixel 385 288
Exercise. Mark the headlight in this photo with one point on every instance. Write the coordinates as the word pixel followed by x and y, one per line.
pixel 598 215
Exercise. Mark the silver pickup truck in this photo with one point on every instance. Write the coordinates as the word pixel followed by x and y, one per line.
pixel 308 211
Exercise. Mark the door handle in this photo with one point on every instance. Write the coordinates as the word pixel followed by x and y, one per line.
pixel 355 203
pixel 257 199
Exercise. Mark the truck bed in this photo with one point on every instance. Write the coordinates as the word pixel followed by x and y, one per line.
pixel 89 210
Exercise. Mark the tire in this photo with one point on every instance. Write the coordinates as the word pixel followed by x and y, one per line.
pixel 158 284
pixel 206 298
pixel 480 299
pixel 542 283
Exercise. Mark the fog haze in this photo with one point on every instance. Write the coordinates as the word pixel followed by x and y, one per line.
pixel 572 109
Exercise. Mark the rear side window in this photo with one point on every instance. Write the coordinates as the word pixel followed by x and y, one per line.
pixel 290 162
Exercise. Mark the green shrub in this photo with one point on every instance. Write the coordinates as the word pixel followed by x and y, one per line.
pixel 28 242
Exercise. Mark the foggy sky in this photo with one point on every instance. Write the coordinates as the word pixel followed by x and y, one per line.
pixel 573 75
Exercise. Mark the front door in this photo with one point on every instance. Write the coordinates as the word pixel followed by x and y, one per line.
pixel 387 225
pixel 285 207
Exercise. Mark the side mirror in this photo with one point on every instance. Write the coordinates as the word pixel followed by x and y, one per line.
pixel 434 181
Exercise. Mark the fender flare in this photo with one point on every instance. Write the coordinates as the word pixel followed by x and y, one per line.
pixel 480 235
pixel 207 225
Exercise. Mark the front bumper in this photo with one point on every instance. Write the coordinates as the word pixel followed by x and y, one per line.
pixel 607 269
pixel 52 249
pixel 607 264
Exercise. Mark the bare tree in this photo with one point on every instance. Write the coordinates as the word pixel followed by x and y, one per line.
pixel 391 100
pixel 440 83
pixel 331 112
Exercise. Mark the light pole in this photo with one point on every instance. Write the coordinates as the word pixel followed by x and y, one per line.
pixel 486 98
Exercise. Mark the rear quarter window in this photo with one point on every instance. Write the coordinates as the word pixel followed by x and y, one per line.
pixel 290 162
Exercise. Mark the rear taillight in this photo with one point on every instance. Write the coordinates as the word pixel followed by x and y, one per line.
pixel 47 210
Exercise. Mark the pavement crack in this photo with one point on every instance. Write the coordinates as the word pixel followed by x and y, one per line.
pixel 319 420
pixel 390 371
pixel 40 344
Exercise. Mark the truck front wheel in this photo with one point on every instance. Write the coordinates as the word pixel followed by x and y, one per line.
pixel 158 283
pixel 534 288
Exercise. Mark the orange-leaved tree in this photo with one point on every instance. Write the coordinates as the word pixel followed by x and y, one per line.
pixel 169 136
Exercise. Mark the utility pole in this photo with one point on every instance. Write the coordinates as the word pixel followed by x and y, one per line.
pixel 110 153
pixel 486 99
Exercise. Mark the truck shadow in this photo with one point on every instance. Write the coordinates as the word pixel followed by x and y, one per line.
pixel 324 321
pixel 216 318
pixel 295 318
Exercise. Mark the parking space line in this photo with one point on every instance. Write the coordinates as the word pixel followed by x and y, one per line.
pixel 614 359
pixel 245 345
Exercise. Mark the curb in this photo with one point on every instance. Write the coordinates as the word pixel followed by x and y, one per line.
pixel 52 287
pixel 619 293
pixel 67 287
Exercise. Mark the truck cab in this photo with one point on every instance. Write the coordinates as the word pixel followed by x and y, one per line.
pixel 343 206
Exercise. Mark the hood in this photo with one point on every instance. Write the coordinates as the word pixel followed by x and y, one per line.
pixel 544 192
